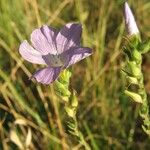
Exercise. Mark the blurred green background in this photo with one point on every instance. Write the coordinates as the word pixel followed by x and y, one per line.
pixel 107 118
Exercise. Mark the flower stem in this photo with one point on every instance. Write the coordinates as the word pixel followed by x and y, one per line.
pixel 135 88
pixel 79 134
pixel 71 103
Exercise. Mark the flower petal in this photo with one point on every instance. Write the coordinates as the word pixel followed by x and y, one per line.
pixel 43 40
pixel 47 75
pixel 74 55
pixel 30 54
pixel 68 36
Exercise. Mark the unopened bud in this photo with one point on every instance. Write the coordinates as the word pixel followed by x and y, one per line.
pixel 137 56
pixel 136 97
pixel 70 111
pixel 74 100
pixel 132 80
pixel 130 23
pixel 62 90
pixel 134 69
pixel 65 76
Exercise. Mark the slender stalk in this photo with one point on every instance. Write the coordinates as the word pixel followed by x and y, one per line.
pixel 144 109
pixel 61 130
pixel 81 137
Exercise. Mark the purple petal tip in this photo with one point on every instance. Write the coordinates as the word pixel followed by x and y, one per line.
pixel 130 22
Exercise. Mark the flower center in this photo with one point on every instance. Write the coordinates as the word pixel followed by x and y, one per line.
pixel 55 60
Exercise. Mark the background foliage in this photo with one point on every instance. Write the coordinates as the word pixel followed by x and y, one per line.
pixel 106 117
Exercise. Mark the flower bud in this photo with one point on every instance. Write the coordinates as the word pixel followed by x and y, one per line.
pixel 132 80
pixel 74 100
pixel 136 97
pixel 62 91
pixel 65 77
pixel 137 56
pixel 134 69
pixel 130 23
pixel 70 111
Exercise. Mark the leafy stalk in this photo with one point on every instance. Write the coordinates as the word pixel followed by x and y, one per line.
pixel 135 89
pixel 71 103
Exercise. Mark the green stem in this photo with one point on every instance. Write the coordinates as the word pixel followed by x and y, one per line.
pixel 133 72
pixel 80 136
pixel 144 109
pixel 71 104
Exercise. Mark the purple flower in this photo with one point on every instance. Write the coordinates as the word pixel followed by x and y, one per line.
pixel 131 25
pixel 56 50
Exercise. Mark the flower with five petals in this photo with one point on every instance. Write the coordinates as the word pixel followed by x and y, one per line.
pixel 56 50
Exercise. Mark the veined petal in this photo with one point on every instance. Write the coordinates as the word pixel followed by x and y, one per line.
pixel 47 75
pixel 68 36
pixel 74 55
pixel 43 39
pixel 131 25
pixel 30 54
pixel 50 34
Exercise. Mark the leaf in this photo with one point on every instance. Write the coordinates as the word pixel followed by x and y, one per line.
pixel 15 139
pixel 21 122
pixel 28 138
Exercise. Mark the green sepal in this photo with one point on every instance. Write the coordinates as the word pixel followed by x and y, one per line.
pixel 73 133
pixel 131 42
pixel 144 112
pixel 127 73
pixel 131 80
pixel 62 89
pixel 134 69
pixel 127 52
pixel 144 47
pixel 64 77
pixel 73 99
pixel 147 131
pixel 134 96
pixel 71 125
pixel 134 40
pixel 136 55
pixel 71 111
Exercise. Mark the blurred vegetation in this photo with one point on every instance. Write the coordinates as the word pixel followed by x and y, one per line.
pixel 107 118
